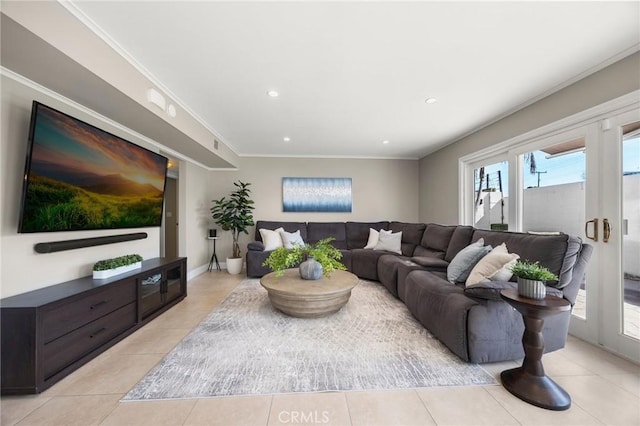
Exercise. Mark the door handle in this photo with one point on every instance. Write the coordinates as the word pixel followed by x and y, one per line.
pixel 607 230
pixel 595 229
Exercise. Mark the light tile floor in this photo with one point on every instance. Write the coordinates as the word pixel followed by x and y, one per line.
pixel 605 389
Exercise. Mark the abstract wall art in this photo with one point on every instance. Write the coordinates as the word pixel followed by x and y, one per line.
pixel 316 194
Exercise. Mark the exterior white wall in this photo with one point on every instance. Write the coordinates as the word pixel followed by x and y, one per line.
pixel 490 211
pixel 555 208
pixel 381 190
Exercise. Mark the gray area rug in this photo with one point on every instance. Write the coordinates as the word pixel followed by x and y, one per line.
pixel 246 347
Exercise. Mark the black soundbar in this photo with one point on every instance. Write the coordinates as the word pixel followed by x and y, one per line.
pixel 54 246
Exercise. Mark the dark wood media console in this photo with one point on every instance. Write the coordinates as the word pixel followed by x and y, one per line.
pixel 48 333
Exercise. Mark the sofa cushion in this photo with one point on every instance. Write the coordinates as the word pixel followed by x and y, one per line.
pixel 317 231
pixel 461 265
pixel 358 233
pixel 255 246
pixel 425 252
pixel 440 307
pixel 411 235
pixel 388 269
pixel 549 250
pixel 390 242
pixel 437 236
pixel 571 290
pixel 574 247
pixel 460 238
pixel 364 263
pixel 346 259
pixel 430 262
pixel 498 261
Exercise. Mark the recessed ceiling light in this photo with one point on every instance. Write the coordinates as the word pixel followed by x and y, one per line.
pixel 431 100
pixel 286 139
pixel 273 93
pixel 385 142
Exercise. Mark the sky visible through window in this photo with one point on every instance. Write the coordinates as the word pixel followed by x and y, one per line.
pixel 562 169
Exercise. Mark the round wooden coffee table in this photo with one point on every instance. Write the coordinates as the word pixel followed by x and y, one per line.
pixel 309 298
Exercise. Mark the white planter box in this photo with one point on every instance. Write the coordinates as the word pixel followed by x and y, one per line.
pixel 99 275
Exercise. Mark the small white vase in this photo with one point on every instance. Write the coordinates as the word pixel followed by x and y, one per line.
pixel 234 265
pixel 531 288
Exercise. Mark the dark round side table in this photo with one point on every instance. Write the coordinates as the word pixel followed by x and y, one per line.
pixel 529 383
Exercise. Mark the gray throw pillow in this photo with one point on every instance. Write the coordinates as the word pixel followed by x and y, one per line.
pixel 463 262
pixel 290 239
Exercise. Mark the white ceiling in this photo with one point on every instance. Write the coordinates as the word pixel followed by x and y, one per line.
pixel 352 74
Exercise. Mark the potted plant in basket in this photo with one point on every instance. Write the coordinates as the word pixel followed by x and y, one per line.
pixel 234 214
pixel 315 259
pixel 532 278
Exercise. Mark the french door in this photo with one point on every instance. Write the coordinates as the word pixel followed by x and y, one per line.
pixel 619 242
pixel 583 182
pixel 586 182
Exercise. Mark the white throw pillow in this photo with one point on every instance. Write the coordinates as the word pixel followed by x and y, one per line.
pixel 504 273
pixel 290 239
pixel 490 264
pixel 374 236
pixel 463 262
pixel 390 242
pixel 271 239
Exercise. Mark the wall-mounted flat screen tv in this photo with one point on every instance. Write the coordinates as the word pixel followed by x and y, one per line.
pixel 78 177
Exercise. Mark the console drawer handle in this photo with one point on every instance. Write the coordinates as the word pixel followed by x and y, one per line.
pixel 97 305
pixel 95 333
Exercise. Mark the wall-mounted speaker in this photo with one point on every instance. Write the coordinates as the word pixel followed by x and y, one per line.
pixel 54 246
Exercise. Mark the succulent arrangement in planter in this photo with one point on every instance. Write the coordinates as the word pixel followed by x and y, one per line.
pixel 321 252
pixel 532 278
pixel 234 214
pixel 109 267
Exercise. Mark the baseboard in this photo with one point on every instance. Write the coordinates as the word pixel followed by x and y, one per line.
pixel 197 271
pixel 204 268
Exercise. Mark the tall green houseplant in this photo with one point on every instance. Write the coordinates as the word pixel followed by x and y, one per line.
pixel 234 213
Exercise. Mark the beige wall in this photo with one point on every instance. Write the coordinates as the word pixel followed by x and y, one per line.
pixel 439 171
pixel 381 190
pixel 22 269
pixel 195 201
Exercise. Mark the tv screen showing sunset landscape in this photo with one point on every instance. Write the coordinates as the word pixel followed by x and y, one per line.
pixel 80 177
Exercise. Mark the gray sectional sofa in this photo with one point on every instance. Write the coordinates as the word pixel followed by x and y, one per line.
pixel 473 322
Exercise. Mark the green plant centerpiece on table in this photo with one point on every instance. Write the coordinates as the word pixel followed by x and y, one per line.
pixel 532 278
pixel 322 252
pixel 234 214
